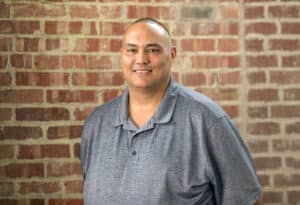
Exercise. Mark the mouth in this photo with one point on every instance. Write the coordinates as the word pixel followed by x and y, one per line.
pixel 142 70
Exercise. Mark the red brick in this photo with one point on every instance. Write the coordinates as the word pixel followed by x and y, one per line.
pixel 110 94
pixel 98 79
pixel 229 12
pixel 27 44
pixel 42 79
pixel 74 61
pixel 65 202
pixel 43 151
pixel 290 28
pixel 115 45
pixel 257 77
pixel 264 180
pixel 264 28
pixel 266 95
pixel 258 146
pixel 286 145
pixel 21 96
pixel 27 27
pixel 55 44
pixel 220 94
pixel 254 12
pixel 71 96
pixel 70 132
pixel 73 186
pixel 83 113
pixel 6 27
pixel 110 12
pixel 283 11
pixel 258 112
pixel 262 61
pixel 228 45
pixel 229 28
pixel 231 110
pixel 87 45
pixel 293 197
pixel 5 44
pixel 284 44
pixel 285 111
pixel 5 114
pixel 198 44
pixel 5 79
pixel 112 28
pixel 56 27
pixel 42 114
pixel 22 201
pixel 263 128
pixel 230 78
pixel 293 162
pixel 291 61
pixel 292 180
pixel 63 169
pixel 272 197
pixel 292 94
pixel 75 27
pixel 6 189
pixel 254 45
pixel 204 28
pixel 83 11
pixel 6 152
pixel 47 62
pixel 38 10
pixel 76 150
pixel 4 10
pixel 39 187
pixel 265 163
pixel 204 61
pixel 99 62
pixel 21 61
pixel 286 77
pixel 24 170
pixel 193 79
pixel 3 61
pixel 20 133
pixel 293 128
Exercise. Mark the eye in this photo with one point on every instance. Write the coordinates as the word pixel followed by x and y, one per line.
pixel 131 50
pixel 153 50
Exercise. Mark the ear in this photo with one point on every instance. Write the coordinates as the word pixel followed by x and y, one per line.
pixel 173 52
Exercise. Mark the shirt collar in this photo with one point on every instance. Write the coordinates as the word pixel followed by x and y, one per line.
pixel 164 112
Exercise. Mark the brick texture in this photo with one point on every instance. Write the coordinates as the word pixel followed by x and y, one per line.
pixel 59 60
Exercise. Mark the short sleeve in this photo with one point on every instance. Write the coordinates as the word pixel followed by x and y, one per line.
pixel 85 147
pixel 232 170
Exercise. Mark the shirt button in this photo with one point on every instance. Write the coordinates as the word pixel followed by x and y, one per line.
pixel 133 153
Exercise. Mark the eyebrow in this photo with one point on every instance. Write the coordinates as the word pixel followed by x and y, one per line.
pixel 148 45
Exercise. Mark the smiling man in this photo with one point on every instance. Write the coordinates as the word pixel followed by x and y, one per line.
pixel 160 143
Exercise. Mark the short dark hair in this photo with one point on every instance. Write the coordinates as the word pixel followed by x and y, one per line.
pixel 151 20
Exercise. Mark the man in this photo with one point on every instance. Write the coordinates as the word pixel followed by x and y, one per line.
pixel 160 143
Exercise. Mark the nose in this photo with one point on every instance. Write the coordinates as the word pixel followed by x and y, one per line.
pixel 142 58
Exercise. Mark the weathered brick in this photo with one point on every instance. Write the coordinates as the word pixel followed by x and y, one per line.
pixel 290 28
pixel 5 114
pixel 230 78
pixel 292 128
pixel 6 152
pixel 74 61
pixel 262 61
pixel 282 145
pixel 83 113
pixel 256 146
pixel 110 94
pixel 24 170
pixel 76 150
pixel 291 61
pixel 284 44
pixel 21 96
pixel 27 44
pixel 198 44
pixel 264 180
pixel 87 45
pixel 43 151
pixel 42 79
pixel 63 169
pixel 39 187
pixel 20 133
pixel 71 132
pixel 203 28
pixel 98 79
pixel 263 128
pixel 265 163
pixel 4 10
pixel 22 201
pixel 71 96
pixel 74 186
pixel 82 11
pixel 266 95
pixel 254 12
pixel 228 45
pixel 257 77
pixel 75 27
pixel 47 62
pixel 213 61
pixel 264 28
pixel 27 27
pixel 65 202
pixel 56 27
pixel 6 27
pixel 57 44
pixel 5 44
pixel 272 197
pixel 6 189
pixel 292 162
pixel 258 112
pixel 42 114
pixel 112 28
pixel 292 94
pixel 21 60
pixel 38 10
pixel 201 12
pixel 287 180
pixel 229 28
pixel 220 94
pixel 5 79
pixel 193 79
pixel 254 45
pixel 231 110
pixel 99 62
pixel 3 61
pixel 285 111
pixel 229 12
pixel 283 11
pixel 293 197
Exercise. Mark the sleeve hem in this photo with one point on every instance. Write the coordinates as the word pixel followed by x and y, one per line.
pixel 254 197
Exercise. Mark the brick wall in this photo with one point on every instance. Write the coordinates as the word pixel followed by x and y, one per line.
pixel 59 59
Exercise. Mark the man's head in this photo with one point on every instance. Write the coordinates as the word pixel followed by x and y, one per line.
pixel 147 55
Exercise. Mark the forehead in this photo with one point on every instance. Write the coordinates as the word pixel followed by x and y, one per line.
pixel 145 32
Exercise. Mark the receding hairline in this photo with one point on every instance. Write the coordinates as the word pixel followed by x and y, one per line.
pixel 151 21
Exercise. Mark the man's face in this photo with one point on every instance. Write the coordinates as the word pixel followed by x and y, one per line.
pixel 147 56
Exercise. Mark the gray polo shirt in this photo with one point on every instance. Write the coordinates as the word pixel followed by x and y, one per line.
pixel 188 153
